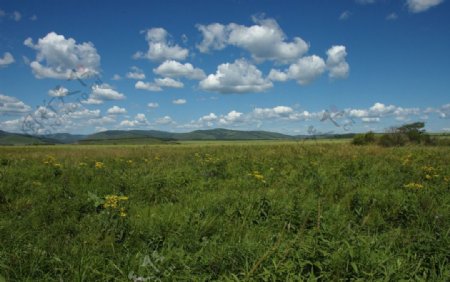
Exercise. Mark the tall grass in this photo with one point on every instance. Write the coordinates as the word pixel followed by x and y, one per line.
pixel 224 212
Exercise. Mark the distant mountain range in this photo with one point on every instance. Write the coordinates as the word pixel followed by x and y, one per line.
pixel 147 137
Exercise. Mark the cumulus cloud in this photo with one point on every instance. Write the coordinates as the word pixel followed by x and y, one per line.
pixel 304 71
pixel 139 120
pixel 171 68
pixel 115 110
pixel 418 6
pixel 265 40
pixel 164 120
pixel 392 17
pixel 58 57
pixel 160 48
pixel 153 105
pixel 238 77
pixel 116 77
pixel 147 86
pixel 209 118
pixel 6 60
pixel 103 92
pixel 231 118
pixel 336 64
pixel 58 92
pixel 276 112
pixel 168 82
pixel 179 101
pixel 85 114
pixel 370 119
pixel 11 105
pixel 135 73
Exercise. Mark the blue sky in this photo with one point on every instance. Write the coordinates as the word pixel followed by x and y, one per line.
pixel 296 67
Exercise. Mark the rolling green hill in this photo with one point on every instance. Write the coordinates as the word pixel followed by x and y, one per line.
pixel 7 138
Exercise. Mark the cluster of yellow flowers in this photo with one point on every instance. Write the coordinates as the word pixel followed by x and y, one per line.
pixel 413 185
pixel 99 165
pixel 257 175
pixel 51 161
pixel 206 159
pixel 430 172
pixel 130 162
pixel 407 159
pixel 113 202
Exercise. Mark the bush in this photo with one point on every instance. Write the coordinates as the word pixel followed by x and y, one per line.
pixel 393 139
pixel 364 139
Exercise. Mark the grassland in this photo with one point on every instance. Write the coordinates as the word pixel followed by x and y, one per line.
pixel 276 211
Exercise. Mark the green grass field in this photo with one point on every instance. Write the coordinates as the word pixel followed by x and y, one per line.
pixel 226 211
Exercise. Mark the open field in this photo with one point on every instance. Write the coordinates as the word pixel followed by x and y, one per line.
pixel 251 211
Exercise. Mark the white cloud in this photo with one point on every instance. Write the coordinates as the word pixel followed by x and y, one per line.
pixel 179 101
pixel 58 57
pixel 208 118
pixel 418 6
pixel 33 18
pixel 392 17
pixel 370 119
pixel 306 69
pixel 171 68
pixel 444 111
pixel 153 105
pixel 336 64
pixel 277 75
pixel 6 60
pixel 345 15
pixel 136 73
pixel 164 120
pixel 12 105
pixel 231 118
pixel 147 86
pixel 58 92
pixel 168 82
pixel 276 112
pixel 159 48
pixel 139 120
pixel 265 40
pixel 103 92
pixel 85 114
pixel 16 16
pixel 115 110
pixel 238 77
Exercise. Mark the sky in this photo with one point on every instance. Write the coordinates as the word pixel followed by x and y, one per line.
pixel 294 67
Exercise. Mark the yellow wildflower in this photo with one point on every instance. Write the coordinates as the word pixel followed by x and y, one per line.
pixel 413 185
pixel 122 212
pixel 99 165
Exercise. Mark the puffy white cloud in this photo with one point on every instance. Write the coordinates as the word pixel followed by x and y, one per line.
pixel 306 69
pixel 179 101
pixel 159 48
pixel 61 58
pixel 238 77
pixel 6 60
pixel 171 68
pixel 380 109
pixel 168 82
pixel 164 120
pixel 139 120
pixel 215 37
pixel 276 112
pixel 370 119
pixel 336 64
pixel 208 118
pixel 12 105
pixel 115 110
pixel 153 105
pixel 444 111
pixel 418 6
pixel 231 118
pixel 136 73
pixel 58 92
pixel 345 15
pixel 147 86
pixel 265 40
pixel 85 114
pixel 103 92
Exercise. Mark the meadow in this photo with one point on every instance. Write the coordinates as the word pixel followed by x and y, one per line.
pixel 243 211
